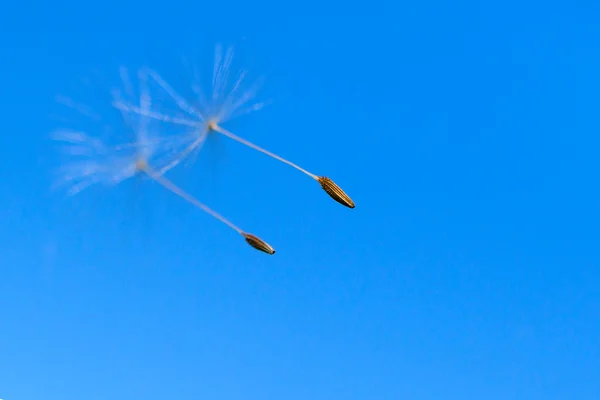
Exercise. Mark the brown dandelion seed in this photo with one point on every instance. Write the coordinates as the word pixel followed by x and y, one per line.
pixel 258 243
pixel 327 184
pixel 335 192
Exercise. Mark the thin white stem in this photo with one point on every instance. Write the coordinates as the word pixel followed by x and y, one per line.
pixel 181 102
pixel 230 135
pixel 137 144
pixel 186 152
pixel 155 115
pixel 187 197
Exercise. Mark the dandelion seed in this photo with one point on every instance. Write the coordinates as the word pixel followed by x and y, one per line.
pixel 335 192
pixel 223 106
pixel 150 154
pixel 258 243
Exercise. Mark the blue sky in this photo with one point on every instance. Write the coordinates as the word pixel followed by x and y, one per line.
pixel 467 134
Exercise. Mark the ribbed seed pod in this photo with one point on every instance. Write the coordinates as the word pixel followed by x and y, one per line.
pixel 335 192
pixel 258 244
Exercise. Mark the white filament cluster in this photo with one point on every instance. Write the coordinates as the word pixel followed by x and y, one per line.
pixel 161 140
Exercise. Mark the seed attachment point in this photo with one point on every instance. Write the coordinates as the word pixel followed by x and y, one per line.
pixel 335 192
pixel 141 165
pixel 212 126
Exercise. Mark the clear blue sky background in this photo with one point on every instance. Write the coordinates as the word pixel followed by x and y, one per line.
pixel 468 135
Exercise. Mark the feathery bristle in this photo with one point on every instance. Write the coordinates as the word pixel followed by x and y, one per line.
pixel 258 243
pixel 335 192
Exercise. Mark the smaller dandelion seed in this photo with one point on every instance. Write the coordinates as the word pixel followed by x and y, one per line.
pixel 335 192
pixel 258 243
pixel 152 153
